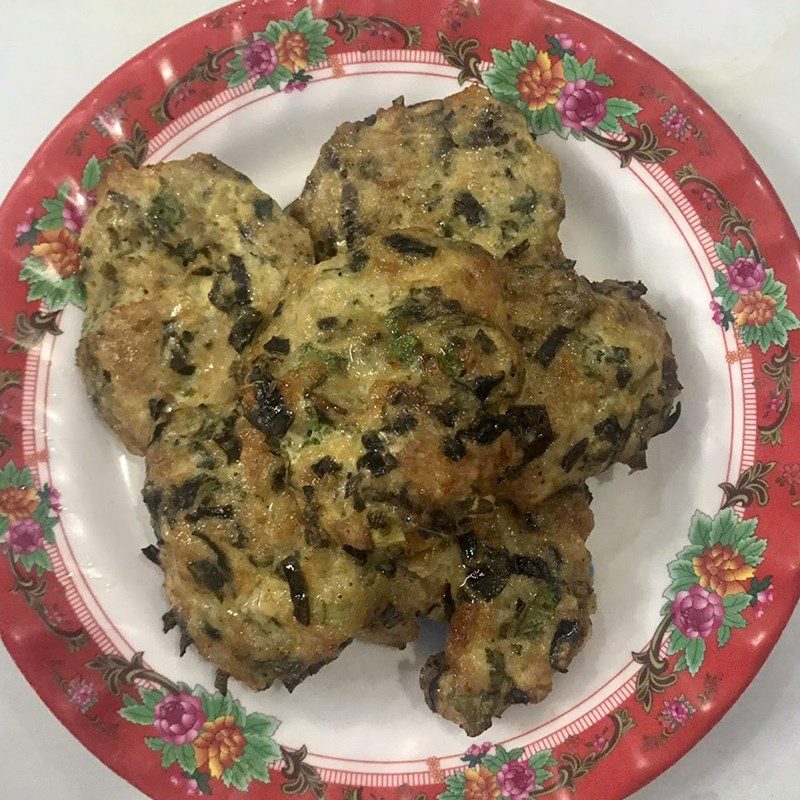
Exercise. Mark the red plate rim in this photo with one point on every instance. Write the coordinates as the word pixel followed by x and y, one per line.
pixel 781 244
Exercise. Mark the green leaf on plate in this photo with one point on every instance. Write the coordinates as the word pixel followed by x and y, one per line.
pixel 725 251
pixel 694 653
pixel 169 755
pixel 610 124
pixel 740 251
pixel 186 758
pixel 91 174
pixel 677 641
pixel 544 758
pixel 700 529
pixel 723 635
pixel 150 697
pixel 42 562
pixel 620 107
pixel 139 714
pixel 256 764
pixel 454 787
pixel 588 69
pixel 154 743
pixel 54 218
pixel 237 776
pixel 10 475
pixel 572 68
pixel 45 284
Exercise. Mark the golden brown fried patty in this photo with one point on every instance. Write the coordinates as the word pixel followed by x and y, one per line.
pixel 376 379
pixel 600 376
pixel 599 362
pixel 255 597
pixel 466 167
pixel 522 606
pixel 181 263
pixel 411 411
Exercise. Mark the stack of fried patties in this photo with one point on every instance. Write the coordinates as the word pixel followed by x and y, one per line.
pixel 401 429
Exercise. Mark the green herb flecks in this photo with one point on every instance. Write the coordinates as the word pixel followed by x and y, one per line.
pixel 531 615
pixel 332 362
pixel 164 214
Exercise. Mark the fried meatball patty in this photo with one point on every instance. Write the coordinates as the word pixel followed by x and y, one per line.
pixel 600 375
pixel 382 379
pixel 599 360
pixel 522 605
pixel 466 167
pixel 181 263
pixel 244 583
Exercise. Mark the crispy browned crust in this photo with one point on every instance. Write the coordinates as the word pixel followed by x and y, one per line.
pixel 181 263
pixel 522 610
pixel 465 167
pixel 336 450
pixel 377 380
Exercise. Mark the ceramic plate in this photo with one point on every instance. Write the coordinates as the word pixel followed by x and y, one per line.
pixel 696 559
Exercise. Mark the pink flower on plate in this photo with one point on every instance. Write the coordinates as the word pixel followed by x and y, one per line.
pixel 81 693
pixel 24 537
pixel 676 122
pixel 295 86
pixel 581 105
pixel 112 115
pixel 598 743
pixel 260 58
pixel 773 404
pixel 746 275
pixel 697 613
pixel 54 498
pixel 178 718
pixel 189 785
pixel 677 712
pixel 24 226
pixel 790 477
pixel 183 93
pixel 76 209
pixel 717 314
pixel 382 30
pixel 763 597
pixel 567 41
pixel 56 616
pixel 478 750
pixel 517 780
pixel 708 197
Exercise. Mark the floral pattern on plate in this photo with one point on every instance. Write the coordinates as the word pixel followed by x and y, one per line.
pixel 27 519
pixel 574 84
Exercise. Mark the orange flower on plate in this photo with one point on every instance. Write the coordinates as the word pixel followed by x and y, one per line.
pixel 754 309
pixel 722 570
pixel 59 250
pixel 219 746
pixel 480 784
pixel 17 503
pixel 540 82
pixel 292 50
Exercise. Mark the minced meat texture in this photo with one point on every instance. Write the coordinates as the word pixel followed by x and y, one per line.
pixel 522 605
pixel 356 406
pixel 250 592
pixel 335 450
pixel 608 381
pixel 465 167
pixel 593 352
pixel 517 593
pixel 181 264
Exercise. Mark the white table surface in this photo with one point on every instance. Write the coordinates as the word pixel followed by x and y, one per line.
pixel 740 56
